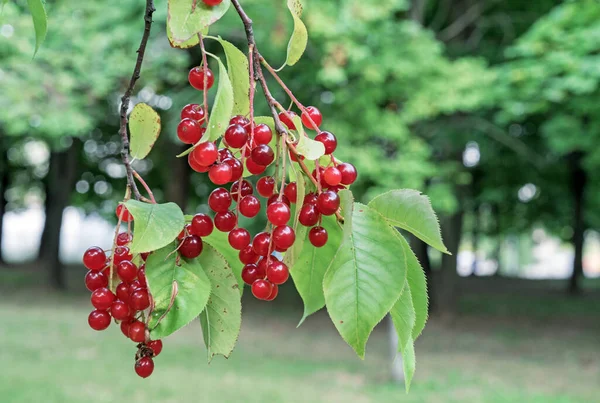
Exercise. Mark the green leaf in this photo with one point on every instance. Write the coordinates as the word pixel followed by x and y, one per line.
pixel 144 128
pixel 219 241
pixel 366 276
pixel 403 317
pixel 222 107
pixel 40 21
pixel 222 317
pixel 299 38
pixel 190 43
pixel 185 21
pixel 410 210
pixel 309 148
pixel 155 225
pixel 179 290
pixel 237 66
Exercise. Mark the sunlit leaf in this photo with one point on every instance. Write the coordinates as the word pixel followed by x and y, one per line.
pixel 156 225
pixel 299 38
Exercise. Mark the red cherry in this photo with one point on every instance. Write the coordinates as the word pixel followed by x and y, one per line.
pixel 310 198
pixel 145 366
pixel 194 112
pixel 291 191
pixel 315 115
pixel 125 327
pixel 274 293
pixel 225 221
pixel 191 247
pixel 99 319
pixel 94 259
pixel 95 280
pixel 120 310
pixel 249 206
pixel 219 200
pixel 261 242
pixel 318 236
pixel 288 120
pixel 262 154
pixel 195 166
pixel 239 238
pixel 237 169
pixel 250 274
pixel 122 253
pixel 189 131
pixel 277 272
pixel 318 175
pixel 283 236
pixel 348 172
pixel 332 176
pixel 202 225
pixel 142 276
pixel 236 136
pixel 123 292
pixel 254 168
pixel 265 186
pixel 262 265
pixel 225 153
pixel 127 271
pixel 126 215
pixel 196 78
pixel 262 289
pixel 137 331
pixel 328 202
pixel 262 134
pixel 239 120
pixel 275 199
pixel 248 256
pixel 220 174
pixel 309 215
pixel 102 298
pixel 156 346
pixel 278 213
pixel 205 154
pixel 328 140
pixel 246 189
pixel 139 300
pixel 123 238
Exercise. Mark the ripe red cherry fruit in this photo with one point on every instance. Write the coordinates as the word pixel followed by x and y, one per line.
pixel 277 272
pixel 94 258
pixel 239 120
pixel 246 189
pixel 225 221
pixel 219 200
pixel 261 289
pixel 236 136
pixel 133 287
pixel 139 300
pixel 142 276
pixel 126 215
pixel 288 120
pixel 120 310
pixel 156 346
pixel 262 154
pixel 122 253
pixel 328 140
pixel 328 202
pixel 125 327
pixel 196 78
pixel 127 271
pixel 318 236
pixel 191 247
pixel 202 225
pixel 309 215
pixel 249 206
pixel 212 3
pixel 188 131
pixel 348 172
pixel 220 174
pixel 332 176
pixel 137 331
pixel 205 154
pixel 248 256
pixel 95 280
pixel 315 115
pixel 123 292
pixel 262 134
pixel 123 239
pixel 99 319
pixel 237 169
pixel 291 191
pixel 250 273
pixel 145 366
pixel 262 265
pixel 274 293
pixel 261 242
pixel 275 198
pixel 254 168
pixel 239 238
pixel 195 166
pixel 265 186
pixel 278 213
pixel 310 198
pixel 283 236
pixel 194 112
pixel 102 298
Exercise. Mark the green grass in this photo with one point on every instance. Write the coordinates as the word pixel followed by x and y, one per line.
pixel 48 354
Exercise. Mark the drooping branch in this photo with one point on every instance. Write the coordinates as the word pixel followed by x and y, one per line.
pixel 126 98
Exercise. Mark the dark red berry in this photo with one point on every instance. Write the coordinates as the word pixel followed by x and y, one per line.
pixel 202 225
pixel 249 206
pixel 220 174
pixel 250 274
pixel 262 265
pixel 328 140
pixel 139 300
pixel 288 120
pixel 191 247
pixel 310 198
pixel 246 189
pixel 137 331
pixel 291 191
pixel 261 242
pixel 278 213
pixel 261 289
pixel 315 115
pixel 187 230
pixel 102 298
pixel 225 153
pixel 94 259
pixel 275 199
pixel 156 346
pixel 205 154
pixel 194 164
pixel 95 280
pixel 123 213
pixel 120 310
pixel 332 176
pixel 225 221
pixel 123 238
pixel 262 134
pixel 219 200
pixel 122 253
pixel 127 271
pixel 328 202
pixel 265 186
pixel 125 327
pixel 348 172
pixel 99 319
pixel 123 292
pixel 283 236
pixel 318 236
pixel 309 215
pixel 239 120
pixel 236 136
pixel 318 175
pixel 237 169
pixel 142 276
pixel 145 366
pixel 134 286
pixel 274 293
pixel 248 256
pixel 277 272
pixel 194 112
pixel 196 78
pixel 189 131
pixel 254 168
pixel 239 238
pixel 262 154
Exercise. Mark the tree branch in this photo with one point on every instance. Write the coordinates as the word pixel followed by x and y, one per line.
pixel 126 97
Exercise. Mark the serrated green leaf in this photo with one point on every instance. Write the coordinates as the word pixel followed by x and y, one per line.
pixel 237 67
pixel 190 43
pixel 403 317
pixel 185 21
pixel 222 107
pixel 410 210
pixel 144 129
pixel 299 38
pixel 219 241
pixel 189 282
pixel 40 21
pixel 309 148
pixel 155 225
pixel 222 317
pixel 366 277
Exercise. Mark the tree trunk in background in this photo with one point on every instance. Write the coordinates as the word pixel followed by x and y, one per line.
pixel 178 182
pixel 59 185
pixel 421 252
pixel 578 183
pixel 448 276
pixel 4 178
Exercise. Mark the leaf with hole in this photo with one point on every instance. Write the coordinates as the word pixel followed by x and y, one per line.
pixel 155 225
pixel 144 129
pixel 186 20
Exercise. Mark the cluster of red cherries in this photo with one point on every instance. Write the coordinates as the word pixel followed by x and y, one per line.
pixel 246 144
pixel 130 299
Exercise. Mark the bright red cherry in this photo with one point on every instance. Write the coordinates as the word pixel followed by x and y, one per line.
pixel 102 298
pixel 122 253
pixel 95 280
pixel 328 202
pixel 265 186
pixel 212 3
pixel 332 176
pixel 196 78
pixel 274 293
pixel 134 286
pixel 291 191
pixel 247 189
pixel 250 274
pixel 249 206
pixel 277 272
pixel 310 198
pixel 237 169
pixel 236 136
pixel 123 238
pixel 120 310
pixel 225 221
pixel 139 300
pixel 239 238
pixel 189 131
pixel 315 115
pixel 142 277
pixel 318 236
pixel 126 215
pixel 145 366
pixel 191 247
pixel 156 346
pixel 220 173
pixel 261 242
pixel 123 292
pixel 288 120
pixel 239 120
pixel 202 225
pixel 275 198
pixel 195 166
pixel 283 236
pixel 125 327
pixel 328 140
pixel 194 112
pixel 262 134
pixel 127 271
pixel 262 265
pixel 225 153
pixel 278 213
pixel 348 172
pixel 137 331
pixel 219 200
pixel 248 256
pixel 262 289
pixel 262 154
pixel 254 168
pixel 94 258
pixel 99 319
pixel 309 215
pixel 205 153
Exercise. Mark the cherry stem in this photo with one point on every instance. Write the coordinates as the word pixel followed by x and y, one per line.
pixel 114 246
pixel 145 185
pixel 205 71
pixel 125 100
pixel 283 161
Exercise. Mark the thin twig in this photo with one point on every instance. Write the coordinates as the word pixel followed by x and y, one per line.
pixel 205 71
pixel 145 185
